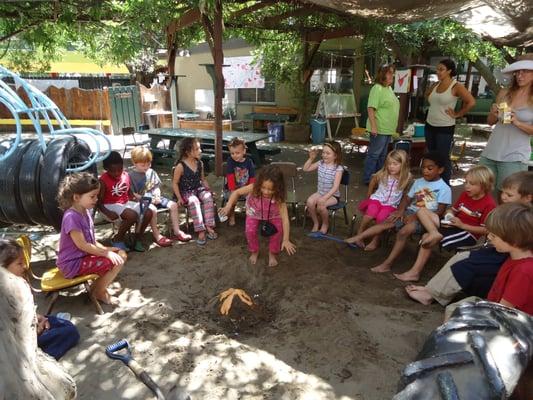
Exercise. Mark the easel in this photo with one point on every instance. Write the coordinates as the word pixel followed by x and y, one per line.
pixel 337 105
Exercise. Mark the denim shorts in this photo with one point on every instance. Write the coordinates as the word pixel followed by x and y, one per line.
pixel 399 224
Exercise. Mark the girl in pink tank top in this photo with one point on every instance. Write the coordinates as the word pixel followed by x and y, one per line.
pixel 266 212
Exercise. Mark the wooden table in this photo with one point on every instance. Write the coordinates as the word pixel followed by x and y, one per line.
pixel 207 140
pixel 418 146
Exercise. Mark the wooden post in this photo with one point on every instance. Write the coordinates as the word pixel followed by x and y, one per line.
pixel 218 58
pixel 358 73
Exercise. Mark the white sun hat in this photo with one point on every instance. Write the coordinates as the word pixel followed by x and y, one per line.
pixel 518 65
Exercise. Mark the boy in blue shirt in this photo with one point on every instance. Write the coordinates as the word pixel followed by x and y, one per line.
pixel 429 191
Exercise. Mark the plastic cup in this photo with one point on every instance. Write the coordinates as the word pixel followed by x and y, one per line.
pixel 222 218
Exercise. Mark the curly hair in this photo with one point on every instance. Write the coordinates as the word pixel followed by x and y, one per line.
pixel 114 158
pixel 10 251
pixel 270 173
pixel 237 141
pixel 186 146
pixel 72 184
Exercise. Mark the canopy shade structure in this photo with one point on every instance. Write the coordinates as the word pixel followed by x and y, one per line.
pixel 503 22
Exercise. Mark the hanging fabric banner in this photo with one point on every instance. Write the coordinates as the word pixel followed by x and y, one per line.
pixel 402 81
pixel 242 73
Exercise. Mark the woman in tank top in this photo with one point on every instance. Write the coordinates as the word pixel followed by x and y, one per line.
pixel 440 121
pixel 509 145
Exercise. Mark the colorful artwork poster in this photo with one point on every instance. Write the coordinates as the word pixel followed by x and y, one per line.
pixel 242 73
pixel 402 81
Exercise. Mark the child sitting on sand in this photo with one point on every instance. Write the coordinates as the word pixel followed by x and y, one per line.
pixel 473 272
pixel 464 222
pixel 79 252
pixel 429 192
pixel 266 211
pixel 55 336
pixel 145 182
pixel 191 189
pixel 385 192
pixel 240 170
pixel 329 178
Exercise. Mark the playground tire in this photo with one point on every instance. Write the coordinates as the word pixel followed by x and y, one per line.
pixel 29 183
pixel 4 146
pixel 9 189
pixel 480 353
pixel 60 154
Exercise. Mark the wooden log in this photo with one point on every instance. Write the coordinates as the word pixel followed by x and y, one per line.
pixel 25 371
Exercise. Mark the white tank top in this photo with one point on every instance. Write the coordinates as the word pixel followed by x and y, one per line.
pixel 439 103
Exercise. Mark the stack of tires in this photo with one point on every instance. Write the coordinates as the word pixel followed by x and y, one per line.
pixel 480 353
pixel 29 179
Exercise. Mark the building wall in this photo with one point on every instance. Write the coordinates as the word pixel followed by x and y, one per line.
pixel 198 78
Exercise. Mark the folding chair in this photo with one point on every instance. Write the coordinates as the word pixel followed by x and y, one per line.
pixel 289 171
pixel 135 141
pixel 53 281
pixel 341 204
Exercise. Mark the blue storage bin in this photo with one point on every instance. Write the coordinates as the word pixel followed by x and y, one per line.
pixel 318 130
pixel 275 131
pixel 419 130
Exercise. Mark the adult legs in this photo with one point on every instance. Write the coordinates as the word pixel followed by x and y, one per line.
pixel 374 157
pixel 444 142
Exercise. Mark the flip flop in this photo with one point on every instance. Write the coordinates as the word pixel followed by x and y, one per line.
pixel 182 237
pixel 164 242
pixel 212 235
pixel 201 242
pixel 315 235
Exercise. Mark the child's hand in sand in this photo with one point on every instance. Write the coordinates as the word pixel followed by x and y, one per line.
pixel 288 247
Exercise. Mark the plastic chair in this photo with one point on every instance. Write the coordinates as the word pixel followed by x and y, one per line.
pixel 53 281
pixel 455 158
pixel 289 171
pixel 136 141
pixel 402 144
pixel 341 204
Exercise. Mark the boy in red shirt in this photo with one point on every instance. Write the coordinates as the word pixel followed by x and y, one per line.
pixel 510 227
pixel 463 224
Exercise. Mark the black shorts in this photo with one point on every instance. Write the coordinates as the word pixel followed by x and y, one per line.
pixel 454 237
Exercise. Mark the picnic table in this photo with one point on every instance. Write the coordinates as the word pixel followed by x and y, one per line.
pixel 207 141
pixel 255 116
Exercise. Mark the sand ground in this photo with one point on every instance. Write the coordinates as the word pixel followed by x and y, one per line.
pixel 332 329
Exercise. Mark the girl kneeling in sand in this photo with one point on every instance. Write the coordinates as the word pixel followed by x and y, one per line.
pixel 266 212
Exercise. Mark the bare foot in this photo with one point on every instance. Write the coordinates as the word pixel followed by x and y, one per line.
pixel 272 260
pixel 407 276
pixel 314 228
pixel 231 220
pixel 420 294
pixel 373 245
pixel 253 258
pixel 355 240
pixel 430 239
pixel 109 300
pixel 381 268
pixel 324 228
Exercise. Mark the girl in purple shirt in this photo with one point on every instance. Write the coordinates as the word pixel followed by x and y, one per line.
pixel 79 252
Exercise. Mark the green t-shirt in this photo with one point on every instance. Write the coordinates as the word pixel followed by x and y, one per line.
pixel 387 107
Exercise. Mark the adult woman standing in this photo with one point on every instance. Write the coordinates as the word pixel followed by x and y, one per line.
pixel 383 110
pixel 509 143
pixel 440 121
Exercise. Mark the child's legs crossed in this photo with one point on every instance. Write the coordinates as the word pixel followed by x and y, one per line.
pixel 208 208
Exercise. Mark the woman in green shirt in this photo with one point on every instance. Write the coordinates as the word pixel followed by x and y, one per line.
pixel 383 110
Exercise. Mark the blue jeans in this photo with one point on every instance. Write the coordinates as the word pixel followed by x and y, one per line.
pixel 375 156
pixel 439 139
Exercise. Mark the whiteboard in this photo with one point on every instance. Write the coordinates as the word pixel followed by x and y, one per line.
pixel 339 104
pixel 204 100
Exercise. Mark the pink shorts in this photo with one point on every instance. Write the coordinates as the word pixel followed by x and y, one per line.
pixel 95 265
pixel 374 209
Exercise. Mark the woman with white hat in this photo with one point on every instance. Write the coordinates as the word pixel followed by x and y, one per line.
pixel 509 144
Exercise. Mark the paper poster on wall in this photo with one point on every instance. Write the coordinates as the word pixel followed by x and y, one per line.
pixel 242 73
pixel 402 81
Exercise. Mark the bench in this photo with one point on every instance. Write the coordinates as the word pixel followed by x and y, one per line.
pixel 271 114
pixel 480 111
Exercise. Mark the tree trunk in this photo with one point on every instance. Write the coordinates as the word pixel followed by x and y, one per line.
pixel 25 371
pixel 487 74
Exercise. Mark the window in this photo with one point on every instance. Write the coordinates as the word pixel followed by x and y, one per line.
pixel 265 95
